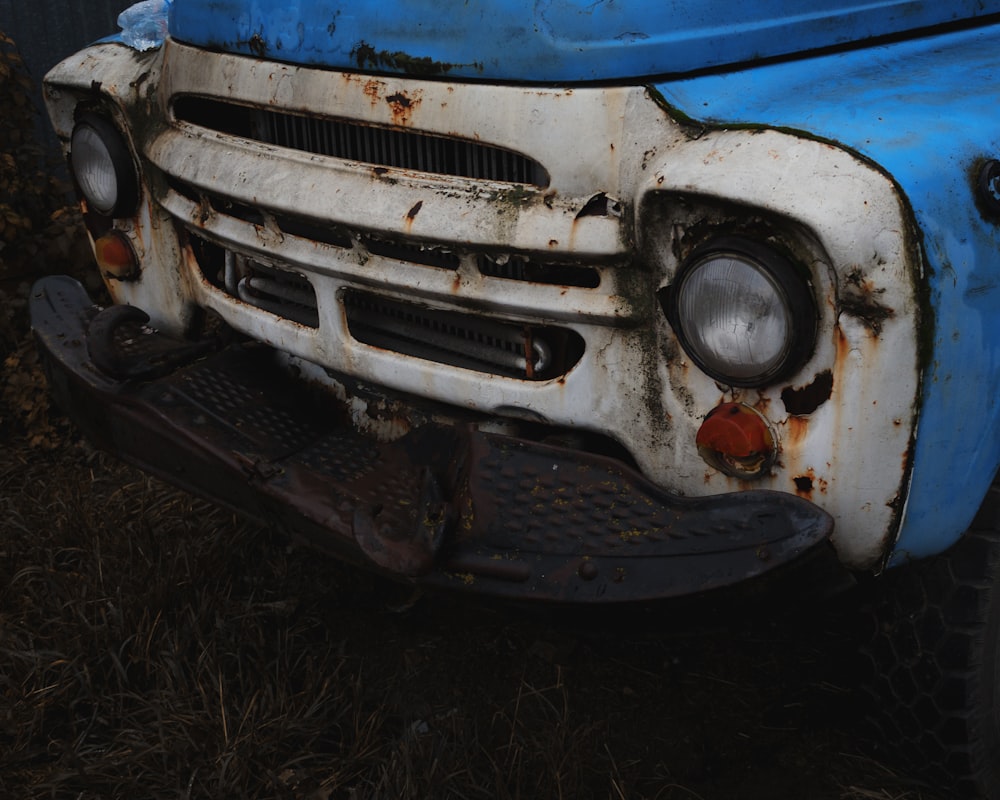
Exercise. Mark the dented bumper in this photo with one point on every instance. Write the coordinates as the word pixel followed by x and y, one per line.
pixel 445 505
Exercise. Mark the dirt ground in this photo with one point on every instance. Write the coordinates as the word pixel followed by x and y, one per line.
pixel 153 645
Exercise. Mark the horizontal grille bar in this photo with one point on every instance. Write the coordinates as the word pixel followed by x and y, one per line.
pixel 507 266
pixel 296 226
pixel 368 144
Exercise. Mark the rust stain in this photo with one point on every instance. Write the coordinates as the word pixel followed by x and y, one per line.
pixel 859 298
pixel 806 483
pixel 796 430
pixel 373 91
pixel 203 212
pixel 402 106
pixel 412 214
pixel 843 351
pixel 529 363
pixel 258 45
pixel 114 289
pixel 763 405
pixel 138 229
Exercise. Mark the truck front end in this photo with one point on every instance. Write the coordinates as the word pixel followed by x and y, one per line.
pixel 506 315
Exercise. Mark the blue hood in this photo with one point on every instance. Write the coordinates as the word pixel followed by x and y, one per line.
pixel 547 40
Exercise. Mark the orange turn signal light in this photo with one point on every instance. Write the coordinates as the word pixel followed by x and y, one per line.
pixel 737 440
pixel 115 256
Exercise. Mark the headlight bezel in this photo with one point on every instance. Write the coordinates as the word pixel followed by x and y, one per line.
pixel 792 288
pixel 95 128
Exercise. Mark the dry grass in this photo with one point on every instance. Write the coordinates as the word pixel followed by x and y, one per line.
pixel 155 646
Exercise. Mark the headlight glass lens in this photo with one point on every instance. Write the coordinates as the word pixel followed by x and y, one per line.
pixel 738 316
pixel 102 166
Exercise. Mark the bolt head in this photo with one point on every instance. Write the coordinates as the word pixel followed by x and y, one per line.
pixel 988 187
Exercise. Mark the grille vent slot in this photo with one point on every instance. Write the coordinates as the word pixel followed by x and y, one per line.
pixel 368 144
pixel 279 291
pixel 412 253
pixel 518 268
pixel 471 342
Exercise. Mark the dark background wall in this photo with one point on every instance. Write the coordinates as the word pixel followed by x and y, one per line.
pixel 46 31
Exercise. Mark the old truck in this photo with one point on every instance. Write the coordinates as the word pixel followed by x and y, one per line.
pixel 582 302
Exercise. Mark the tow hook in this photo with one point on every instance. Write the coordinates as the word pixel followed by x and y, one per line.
pixel 145 354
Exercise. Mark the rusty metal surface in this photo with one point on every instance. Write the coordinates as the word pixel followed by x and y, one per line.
pixel 636 194
pixel 120 345
pixel 444 504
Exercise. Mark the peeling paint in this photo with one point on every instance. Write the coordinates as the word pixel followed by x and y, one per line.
pixel 860 299
pixel 806 399
pixel 367 57
pixel 403 107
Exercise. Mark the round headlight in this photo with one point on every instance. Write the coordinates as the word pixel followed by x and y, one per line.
pixel 743 313
pixel 103 167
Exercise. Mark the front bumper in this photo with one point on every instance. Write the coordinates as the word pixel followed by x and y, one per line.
pixel 445 505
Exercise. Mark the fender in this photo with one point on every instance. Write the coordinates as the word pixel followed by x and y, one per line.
pixel 923 110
